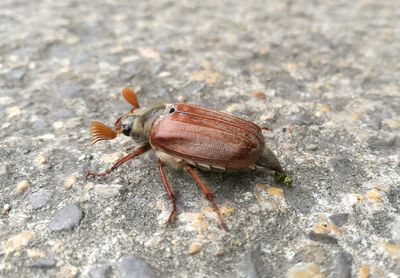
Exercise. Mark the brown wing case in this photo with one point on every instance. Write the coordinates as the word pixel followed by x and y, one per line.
pixel 206 136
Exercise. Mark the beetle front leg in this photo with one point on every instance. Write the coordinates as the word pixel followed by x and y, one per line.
pixel 167 186
pixel 208 194
pixel 136 152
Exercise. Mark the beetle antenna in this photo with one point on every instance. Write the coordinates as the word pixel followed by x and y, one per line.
pixel 130 96
pixel 100 132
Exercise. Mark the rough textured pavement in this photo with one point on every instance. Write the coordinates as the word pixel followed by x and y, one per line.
pixel 325 75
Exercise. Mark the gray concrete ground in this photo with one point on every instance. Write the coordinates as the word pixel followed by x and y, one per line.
pixel 325 75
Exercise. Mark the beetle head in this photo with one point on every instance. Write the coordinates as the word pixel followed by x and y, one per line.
pixel 136 123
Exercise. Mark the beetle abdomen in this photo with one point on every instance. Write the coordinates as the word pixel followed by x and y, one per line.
pixel 207 137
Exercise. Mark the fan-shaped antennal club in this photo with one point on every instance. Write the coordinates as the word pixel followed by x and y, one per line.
pixel 130 96
pixel 101 132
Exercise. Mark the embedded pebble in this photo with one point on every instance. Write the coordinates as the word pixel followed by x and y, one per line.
pixel 69 182
pixel 108 190
pixel 42 263
pixel 6 207
pixel 22 187
pixel 339 219
pixel 67 218
pixel 251 264
pixel 111 157
pixel 89 186
pixel 13 111
pixel 3 170
pixel 71 90
pixel 17 242
pixel 100 271
pixel 364 272
pixel 343 265
pixel 311 147
pixel 323 238
pixel 68 271
pixel 305 270
pixel 193 87
pixel 33 253
pixel 136 267
pixel 40 160
pixel 259 95
pixel 39 199
pixel 195 247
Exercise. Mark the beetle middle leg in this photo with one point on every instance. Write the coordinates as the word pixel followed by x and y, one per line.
pixel 167 186
pixel 208 194
pixel 136 152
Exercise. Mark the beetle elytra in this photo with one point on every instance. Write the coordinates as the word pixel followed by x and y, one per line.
pixel 189 137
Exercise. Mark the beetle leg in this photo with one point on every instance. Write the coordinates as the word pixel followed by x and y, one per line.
pixel 208 194
pixel 167 186
pixel 130 156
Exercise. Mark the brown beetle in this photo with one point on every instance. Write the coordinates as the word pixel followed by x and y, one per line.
pixel 189 137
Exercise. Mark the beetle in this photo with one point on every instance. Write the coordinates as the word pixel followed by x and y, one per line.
pixel 189 137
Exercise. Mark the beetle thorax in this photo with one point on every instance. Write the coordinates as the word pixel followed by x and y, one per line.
pixel 139 123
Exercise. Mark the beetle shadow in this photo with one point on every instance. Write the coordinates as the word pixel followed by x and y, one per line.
pixel 228 187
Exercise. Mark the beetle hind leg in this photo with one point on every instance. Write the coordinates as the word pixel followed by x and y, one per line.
pixel 167 186
pixel 208 194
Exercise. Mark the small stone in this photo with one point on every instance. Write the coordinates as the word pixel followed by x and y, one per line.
pixel 393 249
pixel 108 190
pixel 34 253
pixel 3 170
pixel 339 219
pixel 275 191
pixel 195 247
pixel 71 90
pixel 42 263
pixel 66 218
pixel 110 158
pixel 17 74
pixel 22 187
pixel 100 271
pixel 302 118
pixel 69 182
pixel 40 160
pixel 18 242
pixel 195 221
pixel 13 111
pixel 210 76
pixel 39 199
pixel 58 125
pixel 7 207
pixel 374 195
pixel 259 95
pixel 364 272
pixel 305 270
pixel 193 87
pixel 311 147
pixel 148 53
pixel 136 267
pixel 68 271
pixel 343 265
pixel 251 264
pixel 322 238
pixel 391 123
pixel 89 186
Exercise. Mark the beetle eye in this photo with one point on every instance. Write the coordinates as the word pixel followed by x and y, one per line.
pixel 172 110
pixel 126 129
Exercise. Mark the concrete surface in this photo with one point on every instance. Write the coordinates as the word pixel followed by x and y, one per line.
pixel 325 75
